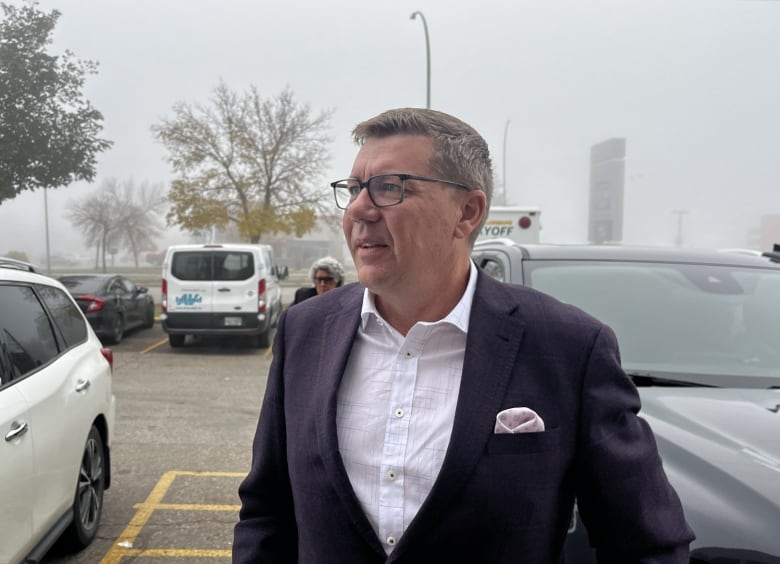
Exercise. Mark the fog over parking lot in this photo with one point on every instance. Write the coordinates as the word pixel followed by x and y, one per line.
pixel 692 86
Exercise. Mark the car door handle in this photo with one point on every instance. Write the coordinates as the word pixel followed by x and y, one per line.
pixel 18 428
pixel 82 385
pixel 223 290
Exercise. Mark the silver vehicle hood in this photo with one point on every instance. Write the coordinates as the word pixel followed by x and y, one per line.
pixel 721 451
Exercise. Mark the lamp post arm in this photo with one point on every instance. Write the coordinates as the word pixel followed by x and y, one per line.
pixel 427 58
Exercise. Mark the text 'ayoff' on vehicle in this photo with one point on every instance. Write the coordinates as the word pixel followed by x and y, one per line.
pixel 113 304
pixel 699 334
pixel 57 412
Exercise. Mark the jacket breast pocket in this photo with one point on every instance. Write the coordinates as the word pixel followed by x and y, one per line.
pixel 523 443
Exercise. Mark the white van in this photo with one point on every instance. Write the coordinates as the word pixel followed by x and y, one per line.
pixel 220 289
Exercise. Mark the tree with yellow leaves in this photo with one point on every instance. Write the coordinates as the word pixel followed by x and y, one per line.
pixel 246 161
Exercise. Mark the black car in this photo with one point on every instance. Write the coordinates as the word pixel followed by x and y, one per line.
pixel 112 303
pixel 699 334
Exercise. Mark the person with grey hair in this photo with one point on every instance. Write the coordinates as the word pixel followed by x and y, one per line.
pixel 430 413
pixel 326 273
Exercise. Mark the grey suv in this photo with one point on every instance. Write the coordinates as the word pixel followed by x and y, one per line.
pixel 699 333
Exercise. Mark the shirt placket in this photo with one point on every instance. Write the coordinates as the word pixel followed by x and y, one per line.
pixel 391 482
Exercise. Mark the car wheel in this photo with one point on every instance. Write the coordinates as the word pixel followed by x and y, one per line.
pixel 88 502
pixel 176 341
pixel 117 329
pixel 149 320
pixel 263 340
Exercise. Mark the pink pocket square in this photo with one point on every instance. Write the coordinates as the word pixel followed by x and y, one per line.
pixel 518 420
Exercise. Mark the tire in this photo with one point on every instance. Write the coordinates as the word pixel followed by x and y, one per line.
pixel 88 500
pixel 117 329
pixel 263 340
pixel 176 341
pixel 149 318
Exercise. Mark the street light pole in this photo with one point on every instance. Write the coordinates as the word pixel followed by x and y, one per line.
pixel 46 227
pixel 679 238
pixel 503 174
pixel 428 58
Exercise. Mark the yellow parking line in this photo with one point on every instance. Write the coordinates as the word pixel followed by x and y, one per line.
pixel 190 507
pixel 175 553
pixel 154 346
pixel 123 544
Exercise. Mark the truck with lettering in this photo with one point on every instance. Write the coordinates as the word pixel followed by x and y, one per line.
pixel 521 224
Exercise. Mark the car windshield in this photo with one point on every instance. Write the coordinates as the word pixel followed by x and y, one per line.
pixel 83 284
pixel 697 323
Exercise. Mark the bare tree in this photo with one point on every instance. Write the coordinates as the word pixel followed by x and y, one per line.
pixel 119 215
pixel 140 218
pixel 247 161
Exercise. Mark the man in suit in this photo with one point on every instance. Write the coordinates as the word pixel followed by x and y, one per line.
pixel 392 428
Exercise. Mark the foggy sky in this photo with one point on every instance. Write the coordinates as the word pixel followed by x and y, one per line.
pixel 692 85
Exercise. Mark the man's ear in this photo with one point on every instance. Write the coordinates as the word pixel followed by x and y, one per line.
pixel 473 207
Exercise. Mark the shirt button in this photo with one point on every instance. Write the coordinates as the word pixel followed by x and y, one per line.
pixel 398 412
pixel 407 354
pixel 391 540
pixel 391 475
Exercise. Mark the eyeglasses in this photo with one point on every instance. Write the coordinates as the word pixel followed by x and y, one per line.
pixel 384 190
pixel 325 279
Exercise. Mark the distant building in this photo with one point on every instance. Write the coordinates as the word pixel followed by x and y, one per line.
pixel 296 253
pixel 326 239
pixel 607 176
pixel 769 232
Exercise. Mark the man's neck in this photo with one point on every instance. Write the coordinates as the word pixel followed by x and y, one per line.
pixel 430 304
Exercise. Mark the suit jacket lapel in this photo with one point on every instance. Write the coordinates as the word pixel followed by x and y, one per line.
pixel 341 324
pixel 495 333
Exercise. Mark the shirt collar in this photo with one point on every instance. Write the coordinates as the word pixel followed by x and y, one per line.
pixel 459 316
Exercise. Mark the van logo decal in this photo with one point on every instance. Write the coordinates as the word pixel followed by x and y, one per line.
pixel 188 299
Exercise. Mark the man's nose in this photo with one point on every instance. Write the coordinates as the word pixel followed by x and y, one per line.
pixel 362 206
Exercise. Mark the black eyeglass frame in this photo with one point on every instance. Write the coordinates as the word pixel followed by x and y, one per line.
pixel 401 176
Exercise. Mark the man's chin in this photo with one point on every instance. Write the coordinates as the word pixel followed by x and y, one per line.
pixel 372 278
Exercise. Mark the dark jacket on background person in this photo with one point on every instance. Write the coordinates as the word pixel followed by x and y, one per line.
pixel 304 294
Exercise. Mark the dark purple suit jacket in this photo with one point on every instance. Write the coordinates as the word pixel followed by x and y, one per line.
pixel 498 498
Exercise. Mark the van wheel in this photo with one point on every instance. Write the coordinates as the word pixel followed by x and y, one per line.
pixel 263 340
pixel 176 341
pixel 88 501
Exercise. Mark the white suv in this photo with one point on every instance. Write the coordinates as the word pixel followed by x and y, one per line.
pixel 57 414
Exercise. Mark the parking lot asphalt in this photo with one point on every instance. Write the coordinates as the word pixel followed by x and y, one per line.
pixel 181 446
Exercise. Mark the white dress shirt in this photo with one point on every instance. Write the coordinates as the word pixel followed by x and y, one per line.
pixel 396 405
